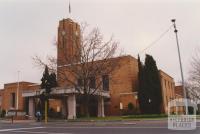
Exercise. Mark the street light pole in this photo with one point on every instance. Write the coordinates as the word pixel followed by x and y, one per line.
pixel 46 111
pixel 17 107
pixel 181 68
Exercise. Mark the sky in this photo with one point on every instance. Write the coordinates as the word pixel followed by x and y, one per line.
pixel 29 28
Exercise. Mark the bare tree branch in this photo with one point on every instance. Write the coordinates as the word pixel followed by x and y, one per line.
pixel 193 83
pixel 95 58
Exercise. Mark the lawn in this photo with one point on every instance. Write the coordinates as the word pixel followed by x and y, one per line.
pixel 121 118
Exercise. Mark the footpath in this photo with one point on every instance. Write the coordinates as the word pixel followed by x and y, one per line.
pixel 88 121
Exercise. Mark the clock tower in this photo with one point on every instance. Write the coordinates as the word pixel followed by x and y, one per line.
pixel 68 47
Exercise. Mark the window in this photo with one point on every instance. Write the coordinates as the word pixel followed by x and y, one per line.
pixel 12 100
pixel 0 100
pixel 92 82
pixel 105 79
pixel 168 84
pixel 80 82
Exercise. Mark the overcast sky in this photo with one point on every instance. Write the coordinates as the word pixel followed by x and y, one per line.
pixel 29 27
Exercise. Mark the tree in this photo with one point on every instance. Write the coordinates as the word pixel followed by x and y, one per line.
pixel 90 67
pixel 150 96
pixel 193 82
pixel 48 82
pixel 45 81
pixel 153 85
pixel 142 93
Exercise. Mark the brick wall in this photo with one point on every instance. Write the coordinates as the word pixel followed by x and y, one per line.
pixel 168 90
pixel 1 96
pixel 123 80
pixel 179 91
pixel 12 88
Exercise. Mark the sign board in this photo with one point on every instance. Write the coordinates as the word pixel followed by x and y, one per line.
pixel 21 113
pixel 16 113
pixel 11 113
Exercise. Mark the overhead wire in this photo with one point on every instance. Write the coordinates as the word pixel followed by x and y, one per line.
pixel 155 41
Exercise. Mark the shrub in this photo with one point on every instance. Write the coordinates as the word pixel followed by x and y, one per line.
pixel 198 112
pixel 131 110
pixel 3 113
pixel 130 106
pixel 190 110
pixel 54 114
pixel 146 116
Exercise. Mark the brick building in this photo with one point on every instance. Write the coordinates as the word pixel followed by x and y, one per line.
pixel 179 95
pixel 122 84
pixel 179 91
pixel 1 95
pixel 168 90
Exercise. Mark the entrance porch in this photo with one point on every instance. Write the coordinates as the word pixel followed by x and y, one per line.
pixel 68 102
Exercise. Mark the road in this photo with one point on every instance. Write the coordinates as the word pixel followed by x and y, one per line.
pixel 121 127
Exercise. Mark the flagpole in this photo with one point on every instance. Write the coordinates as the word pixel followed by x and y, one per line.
pixel 17 107
pixel 181 68
pixel 69 9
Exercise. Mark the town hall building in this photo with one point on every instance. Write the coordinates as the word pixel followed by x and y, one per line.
pixel 121 85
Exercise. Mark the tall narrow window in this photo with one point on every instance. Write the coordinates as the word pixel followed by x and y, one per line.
pixel 80 82
pixel 92 82
pixel 13 100
pixel 0 100
pixel 105 79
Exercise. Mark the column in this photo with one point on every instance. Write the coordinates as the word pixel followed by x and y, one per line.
pixel 71 103
pixel 101 107
pixel 64 107
pixel 31 109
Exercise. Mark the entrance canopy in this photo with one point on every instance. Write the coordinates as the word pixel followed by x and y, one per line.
pixel 68 100
pixel 64 91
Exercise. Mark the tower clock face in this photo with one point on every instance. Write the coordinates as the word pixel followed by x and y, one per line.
pixel 63 33
pixel 76 33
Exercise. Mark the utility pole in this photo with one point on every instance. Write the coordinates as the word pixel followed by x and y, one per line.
pixel 181 68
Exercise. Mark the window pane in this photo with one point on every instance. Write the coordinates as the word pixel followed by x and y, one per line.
pixel 105 79
pixel 0 100
pixel 92 82
pixel 80 82
pixel 13 100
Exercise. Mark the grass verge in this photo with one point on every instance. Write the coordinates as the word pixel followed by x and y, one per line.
pixel 121 118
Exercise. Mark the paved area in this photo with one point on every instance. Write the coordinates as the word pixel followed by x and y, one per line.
pixel 121 127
